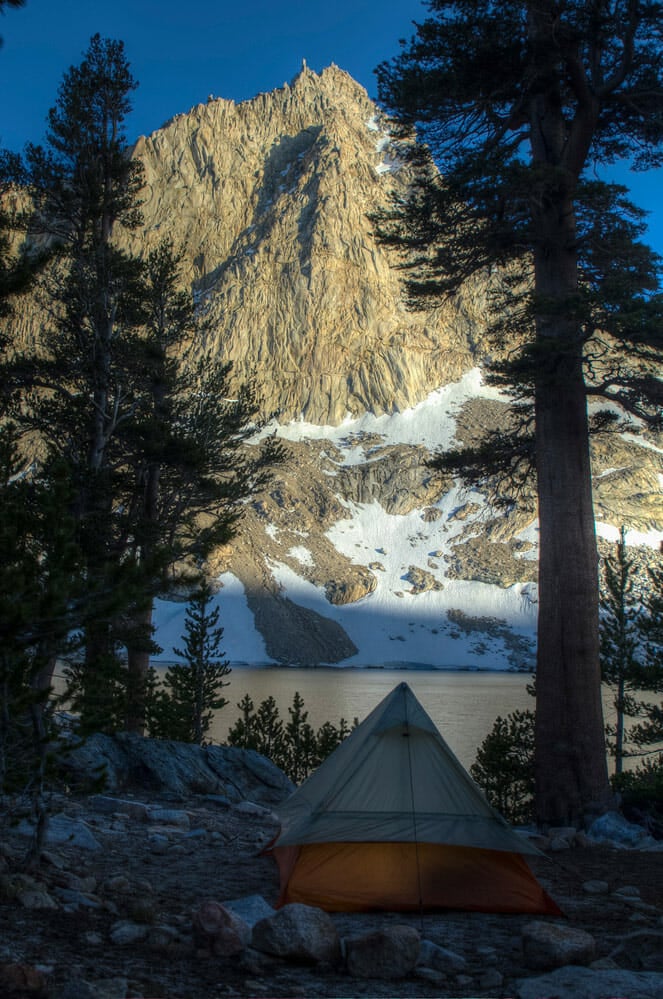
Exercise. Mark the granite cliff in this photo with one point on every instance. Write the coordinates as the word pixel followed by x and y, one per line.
pixel 357 549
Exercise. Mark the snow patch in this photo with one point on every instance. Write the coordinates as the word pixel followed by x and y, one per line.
pixel 302 555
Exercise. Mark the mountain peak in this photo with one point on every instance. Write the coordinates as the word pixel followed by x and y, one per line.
pixel 270 201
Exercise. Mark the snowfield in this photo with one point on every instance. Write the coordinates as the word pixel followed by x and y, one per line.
pixel 391 626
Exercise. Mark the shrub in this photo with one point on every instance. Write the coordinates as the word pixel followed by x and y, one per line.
pixel 295 746
pixel 504 766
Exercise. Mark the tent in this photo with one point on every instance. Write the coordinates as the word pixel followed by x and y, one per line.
pixel 391 820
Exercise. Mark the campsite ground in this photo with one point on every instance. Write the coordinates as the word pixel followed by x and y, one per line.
pixel 157 879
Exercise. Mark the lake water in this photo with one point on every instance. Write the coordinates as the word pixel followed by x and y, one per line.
pixel 463 705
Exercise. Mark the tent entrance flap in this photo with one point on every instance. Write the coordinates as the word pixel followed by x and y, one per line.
pixel 360 877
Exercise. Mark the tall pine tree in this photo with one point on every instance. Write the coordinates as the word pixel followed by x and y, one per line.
pixel 518 102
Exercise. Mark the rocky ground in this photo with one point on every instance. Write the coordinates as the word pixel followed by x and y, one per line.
pixel 109 914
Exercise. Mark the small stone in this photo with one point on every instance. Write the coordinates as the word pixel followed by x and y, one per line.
pixel 440 958
pixel 169 817
pixel 126 932
pixel 161 937
pixel 430 975
pixel 596 887
pixel 142 910
pixel 491 979
pixel 627 891
pixel 251 808
pixel 564 832
pixel 158 843
pixel 604 964
pixel 54 859
pixel 36 899
pixel 253 985
pixel 110 988
pixel 119 883
pixel 559 843
pixel 74 901
pixel 463 981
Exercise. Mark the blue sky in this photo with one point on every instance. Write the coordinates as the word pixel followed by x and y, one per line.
pixel 181 51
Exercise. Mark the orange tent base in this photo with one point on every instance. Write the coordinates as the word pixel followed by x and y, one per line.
pixel 360 877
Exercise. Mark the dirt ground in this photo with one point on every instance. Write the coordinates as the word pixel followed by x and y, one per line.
pixel 219 857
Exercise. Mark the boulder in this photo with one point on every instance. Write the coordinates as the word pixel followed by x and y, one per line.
pixel 551 945
pixel 62 829
pixel 614 829
pixel 586 983
pixel 129 760
pixel 390 952
pixel 299 933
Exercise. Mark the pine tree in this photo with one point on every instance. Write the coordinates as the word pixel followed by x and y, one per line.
pixel 39 604
pixel 191 692
pixel 81 386
pixel 301 742
pixel 504 766
pixel 294 747
pixel 648 734
pixel 190 466
pixel 121 390
pixel 622 649
pixel 517 102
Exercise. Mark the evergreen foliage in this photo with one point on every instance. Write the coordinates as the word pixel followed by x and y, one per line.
pixel 641 791
pixel 517 103
pixel 504 766
pixel 120 393
pixel 184 707
pixel 630 666
pixel 295 746
pixel 39 594
pixel 648 733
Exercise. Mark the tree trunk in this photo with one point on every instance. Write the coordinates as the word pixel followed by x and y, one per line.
pixel 138 664
pixel 570 758
pixel 571 767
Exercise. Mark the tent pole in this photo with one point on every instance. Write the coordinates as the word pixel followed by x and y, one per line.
pixel 406 735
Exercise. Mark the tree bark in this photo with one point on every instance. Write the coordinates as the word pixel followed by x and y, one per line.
pixel 571 766
pixel 570 758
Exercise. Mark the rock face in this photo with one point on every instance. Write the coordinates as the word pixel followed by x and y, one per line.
pixel 270 203
pixel 270 200
pixel 181 768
